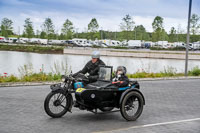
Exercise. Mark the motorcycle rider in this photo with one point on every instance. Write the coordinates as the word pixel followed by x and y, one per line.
pixel 120 79
pixel 92 67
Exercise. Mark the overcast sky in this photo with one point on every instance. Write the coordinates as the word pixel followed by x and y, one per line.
pixel 109 13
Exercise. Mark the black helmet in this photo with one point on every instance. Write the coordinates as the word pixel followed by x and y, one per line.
pixel 121 68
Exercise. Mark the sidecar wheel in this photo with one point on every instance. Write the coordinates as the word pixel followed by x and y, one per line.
pixel 57 104
pixel 132 106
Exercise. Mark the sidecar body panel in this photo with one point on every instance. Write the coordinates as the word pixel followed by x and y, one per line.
pixel 95 98
pixel 98 97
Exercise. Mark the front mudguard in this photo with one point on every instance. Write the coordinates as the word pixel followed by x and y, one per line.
pixel 129 90
pixel 57 88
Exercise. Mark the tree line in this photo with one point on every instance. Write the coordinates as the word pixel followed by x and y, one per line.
pixel 129 31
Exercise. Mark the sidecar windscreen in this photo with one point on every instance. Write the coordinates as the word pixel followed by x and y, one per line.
pixel 105 73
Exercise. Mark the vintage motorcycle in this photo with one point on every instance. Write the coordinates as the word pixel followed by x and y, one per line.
pixel 100 95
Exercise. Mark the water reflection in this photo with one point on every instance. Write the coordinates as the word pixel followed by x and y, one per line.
pixel 11 61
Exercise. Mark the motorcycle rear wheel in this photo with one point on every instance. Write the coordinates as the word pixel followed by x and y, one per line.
pixel 132 106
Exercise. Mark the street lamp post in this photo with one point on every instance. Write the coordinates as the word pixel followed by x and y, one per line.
pixel 101 33
pixel 188 38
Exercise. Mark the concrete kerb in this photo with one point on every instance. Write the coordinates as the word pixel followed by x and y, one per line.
pixel 11 84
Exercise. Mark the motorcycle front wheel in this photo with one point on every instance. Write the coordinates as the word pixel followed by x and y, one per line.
pixel 57 104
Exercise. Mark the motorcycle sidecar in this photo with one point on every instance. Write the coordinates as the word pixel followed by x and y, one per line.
pixel 103 94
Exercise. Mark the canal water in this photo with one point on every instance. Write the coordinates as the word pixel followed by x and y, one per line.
pixel 10 62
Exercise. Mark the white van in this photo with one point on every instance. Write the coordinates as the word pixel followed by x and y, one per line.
pixel 80 42
pixel 179 44
pixel 195 45
pixel 43 41
pixel 11 40
pixel 108 42
pixel 134 44
pixel 2 39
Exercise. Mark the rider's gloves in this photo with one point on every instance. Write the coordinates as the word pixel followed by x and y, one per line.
pixel 74 75
pixel 118 83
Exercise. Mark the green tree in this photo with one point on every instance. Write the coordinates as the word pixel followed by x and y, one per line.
pixel 67 29
pixel 180 36
pixel 62 37
pixel 28 28
pixel 43 35
pixel 140 33
pixel 172 35
pixel 159 35
pixel 48 28
pixel 127 25
pixel 194 23
pixel 37 35
pixel 6 27
pixel 159 32
pixel 157 23
pixel 93 27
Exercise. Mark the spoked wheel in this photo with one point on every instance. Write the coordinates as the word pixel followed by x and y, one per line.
pixel 132 106
pixel 57 104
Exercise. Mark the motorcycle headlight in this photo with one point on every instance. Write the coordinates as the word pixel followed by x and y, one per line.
pixel 63 79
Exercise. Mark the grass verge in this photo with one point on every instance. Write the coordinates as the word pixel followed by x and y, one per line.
pixel 32 48
pixel 42 77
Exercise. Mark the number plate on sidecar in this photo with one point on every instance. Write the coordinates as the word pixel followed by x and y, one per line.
pixel 79 90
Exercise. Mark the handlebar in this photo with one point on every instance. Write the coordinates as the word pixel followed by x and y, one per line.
pixel 80 77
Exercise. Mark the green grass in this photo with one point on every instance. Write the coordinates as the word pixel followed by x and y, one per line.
pixel 35 77
pixel 194 72
pixel 153 75
pixel 113 47
pixel 172 49
pixel 169 72
pixel 27 74
pixel 117 47
pixel 42 77
pixel 31 48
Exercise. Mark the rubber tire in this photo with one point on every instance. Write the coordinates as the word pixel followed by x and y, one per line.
pixel 48 111
pixel 106 109
pixel 140 109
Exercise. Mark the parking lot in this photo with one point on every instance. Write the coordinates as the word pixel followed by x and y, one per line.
pixel 172 106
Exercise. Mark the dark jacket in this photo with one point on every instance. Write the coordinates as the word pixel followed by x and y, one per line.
pixel 123 78
pixel 92 69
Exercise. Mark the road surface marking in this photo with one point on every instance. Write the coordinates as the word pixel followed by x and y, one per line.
pixel 151 125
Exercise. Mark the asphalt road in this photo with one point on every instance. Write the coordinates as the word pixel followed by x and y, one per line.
pixel 172 106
